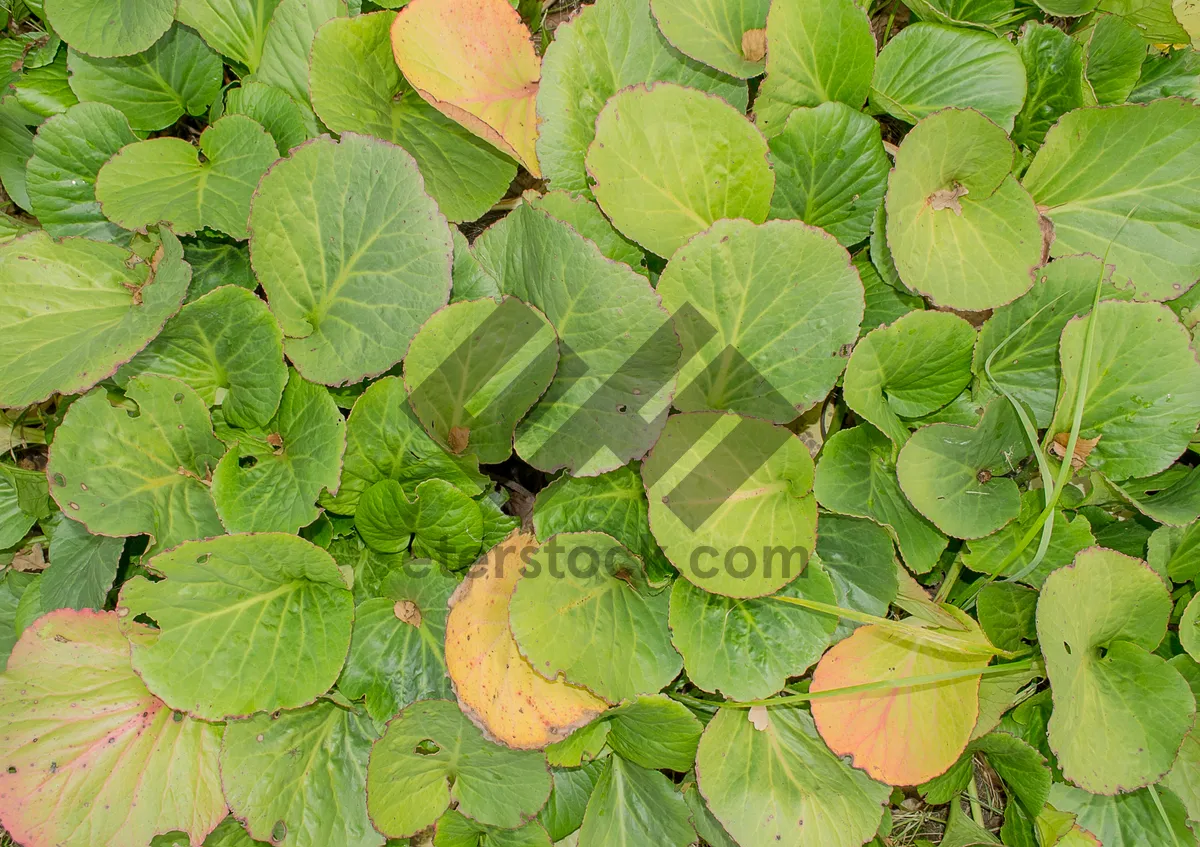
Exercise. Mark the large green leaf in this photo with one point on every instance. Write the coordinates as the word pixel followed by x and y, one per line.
pixel 1097 621
pixel 1143 390
pixel 72 311
pixel 125 475
pixel 816 52
pixel 396 652
pixel 431 755
pixel 1054 72
pixel 91 756
pixel 857 477
pixel 731 502
pixel 715 32
pixel 609 398
pixel 1124 183
pixel 668 161
pixel 68 152
pixel 299 778
pixel 179 75
pixel 605 48
pixel 263 622
pixel 357 87
pixel 779 352
pixel 1126 820
pixel 235 28
pixel 349 308
pixel 962 229
pixel 82 567
pixel 165 179
pixel 110 27
pixel 781 782
pixel 288 42
pixel 927 67
pixel 585 610
pixel 632 805
pixel 442 522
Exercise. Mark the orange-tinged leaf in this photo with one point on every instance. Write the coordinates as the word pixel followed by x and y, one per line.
pixel 474 61
pixel 901 736
pixel 496 687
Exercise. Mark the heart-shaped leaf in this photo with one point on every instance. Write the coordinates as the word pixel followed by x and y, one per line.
pixel 443 523
pixel 728 35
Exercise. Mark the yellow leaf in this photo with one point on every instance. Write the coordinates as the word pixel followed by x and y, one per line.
pixel 473 60
pixel 496 687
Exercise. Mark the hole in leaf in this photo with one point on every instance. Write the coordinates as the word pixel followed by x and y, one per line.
pixel 247 462
pixel 1101 652
pixel 1067 647
pixel 278 832
pixel 427 747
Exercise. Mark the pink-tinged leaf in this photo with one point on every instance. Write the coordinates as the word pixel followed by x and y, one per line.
pixel 905 735
pixel 474 61
pixel 88 756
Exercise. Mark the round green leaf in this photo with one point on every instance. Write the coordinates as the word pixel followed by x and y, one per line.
pixel 179 75
pixel 955 475
pixel 299 778
pixel 1143 392
pixel 430 754
pixel 668 161
pixel 271 485
pixel 235 28
pixel 909 369
pixel 72 311
pixel 350 308
pixel 731 502
pixel 68 152
pixel 473 371
pixel 263 622
pixel 110 27
pixel 1124 183
pixel 816 52
pixel 781 781
pixel 831 170
pixel 603 49
pixel 715 32
pixel 585 610
pixel 443 523
pixel 271 107
pixel 124 475
pixel 927 67
pixel 1097 621
pixel 778 353
pixel 747 649
pixel 396 652
pixel 164 180
pixel 92 757
pixel 632 805
pixel 962 229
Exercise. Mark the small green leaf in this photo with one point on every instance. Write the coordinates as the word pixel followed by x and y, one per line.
pixel 654 732
pixel 443 523
pixel 715 32
pixel 272 107
pixel 289 40
pixel 1054 72
pixel 1112 60
pixel 82 567
pixel 234 28
pixel 1070 536
pixel 632 805
pixel 1006 614
pixel 215 263
pixel 110 27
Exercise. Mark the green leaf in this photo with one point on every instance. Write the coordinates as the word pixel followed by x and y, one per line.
pixel 299 778
pixel 369 568
pixel 82 567
pixel 1171 497
pixel 457 830
pixel 747 649
pixel 781 781
pixel 234 28
pixel 990 15
pixel 1143 390
pixel 927 67
pixel 1112 60
pixel 91 734
pixel 263 622
pixel 609 397
pixel 216 263
pixel 585 610
pixel 632 805
pixel 715 32
pixel 110 27
pixel 179 75
pixel 1054 72
pixel 1174 74
pixel 1189 628
pixel 396 652
pixel 350 308
pixel 731 502
pixel 1184 777
pixel 830 170
pixel 68 152
pixel 654 732
pixel 357 87
pixel 1070 536
pixel 72 311
pixel 1175 551
pixel 443 522
pixel 884 303
pixel 605 48
pixel 955 475
pixel 962 229
pixel 15 522
pixel 1124 183
pixel 431 755
pixel 909 369
pixel 12 589
pixel 816 53
pixel 564 810
pixel 274 109
pixel 288 42
pixel 1097 620
pixel 857 477
pixel 1006 614
pixel 587 219
pixel 1126 820
pixel 779 352
pixel 475 369
pixel 263 486
pixel 469 280
pixel 124 475
pixel 860 559
pixel 1155 19
pixel 651 181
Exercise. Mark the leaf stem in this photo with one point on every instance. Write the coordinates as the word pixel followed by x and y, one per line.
pixel 973 796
